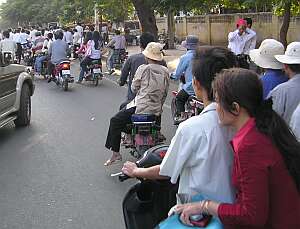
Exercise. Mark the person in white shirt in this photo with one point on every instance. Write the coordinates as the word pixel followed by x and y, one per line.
pixel 237 41
pixel 76 37
pixel 295 123
pixel 11 34
pixel 199 153
pixel 251 44
pixel 118 44
pixel 7 45
pixel 24 37
pixel 32 33
pixel 79 29
pixel 68 36
pixel 17 39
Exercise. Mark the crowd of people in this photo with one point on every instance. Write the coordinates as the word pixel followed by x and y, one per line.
pixel 242 153
pixel 53 45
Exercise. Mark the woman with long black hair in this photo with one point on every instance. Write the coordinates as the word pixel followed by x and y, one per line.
pixel 93 52
pixel 266 171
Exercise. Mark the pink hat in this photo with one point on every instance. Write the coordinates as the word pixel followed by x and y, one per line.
pixel 241 22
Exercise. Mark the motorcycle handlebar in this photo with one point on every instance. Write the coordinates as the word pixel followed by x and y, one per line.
pixel 123 177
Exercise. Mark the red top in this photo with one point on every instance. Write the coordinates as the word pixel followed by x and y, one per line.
pixel 267 196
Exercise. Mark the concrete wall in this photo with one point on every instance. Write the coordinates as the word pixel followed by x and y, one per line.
pixel 214 29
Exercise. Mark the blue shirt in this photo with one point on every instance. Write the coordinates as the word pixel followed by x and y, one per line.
pixel 185 67
pixel 271 79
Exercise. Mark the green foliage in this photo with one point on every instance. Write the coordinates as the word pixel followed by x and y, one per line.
pixel 21 12
pixel 15 12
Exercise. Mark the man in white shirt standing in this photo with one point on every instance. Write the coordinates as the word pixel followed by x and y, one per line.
pixel 238 40
pixel 251 44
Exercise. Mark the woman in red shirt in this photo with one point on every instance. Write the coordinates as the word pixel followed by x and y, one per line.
pixel 266 172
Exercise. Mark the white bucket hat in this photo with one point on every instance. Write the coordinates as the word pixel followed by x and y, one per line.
pixel 292 54
pixel 153 51
pixel 264 56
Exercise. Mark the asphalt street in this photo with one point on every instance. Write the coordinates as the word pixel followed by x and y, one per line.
pixel 52 174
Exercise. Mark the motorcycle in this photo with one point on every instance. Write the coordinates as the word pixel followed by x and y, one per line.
pixel 95 69
pixel 44 70
pixel 75 48
pixel 27 57
pixel 119 56
pixel 7 58
pixel 193 107
pixel 62 75
pixel 148 202
pixel 142 134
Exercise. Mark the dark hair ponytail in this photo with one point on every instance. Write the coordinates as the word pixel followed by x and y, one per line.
pixel 271 124
pixel 244 87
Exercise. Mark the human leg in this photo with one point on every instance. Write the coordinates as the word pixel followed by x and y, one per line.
pixel 117 124
pixel 180 100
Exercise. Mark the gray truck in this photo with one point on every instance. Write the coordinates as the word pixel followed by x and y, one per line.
pixel 16 89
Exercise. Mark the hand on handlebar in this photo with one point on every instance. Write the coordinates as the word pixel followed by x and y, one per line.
pixel 130 168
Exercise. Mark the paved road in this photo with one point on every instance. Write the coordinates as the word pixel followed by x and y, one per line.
pixel 51 173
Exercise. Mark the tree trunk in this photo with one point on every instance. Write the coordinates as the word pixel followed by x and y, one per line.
pixel 146 16
pixel 171 29
pixel 286 23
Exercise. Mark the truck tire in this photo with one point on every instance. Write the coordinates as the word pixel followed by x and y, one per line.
pixel 24 113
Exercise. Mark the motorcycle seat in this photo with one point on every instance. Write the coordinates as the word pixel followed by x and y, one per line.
pixel 65 62
pixel 142 118
pixel 96 61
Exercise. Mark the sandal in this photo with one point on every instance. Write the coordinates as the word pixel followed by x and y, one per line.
pixel 113 160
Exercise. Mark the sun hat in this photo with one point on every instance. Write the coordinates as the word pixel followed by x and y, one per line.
pixel 153 51
pixel 192 42
pixel 292 54
pixel 264 56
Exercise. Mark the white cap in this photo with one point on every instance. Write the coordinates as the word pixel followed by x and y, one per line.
pixel 292 54
pixel 153 51
pixel 264 56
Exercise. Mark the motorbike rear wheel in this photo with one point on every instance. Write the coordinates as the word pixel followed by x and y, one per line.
pixel 65 85
pixel 95 80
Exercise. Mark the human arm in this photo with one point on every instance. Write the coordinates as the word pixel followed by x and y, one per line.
pixel 250 34
pixel 181 68
pixel 50 49
pixel 81 49
pixel 279 100
pixel 232 36
pixel 151 173
pixel 45 45
pixel 125 71
pixel 253 42
pixel 295 122
pixel 111 43
pixel 137 79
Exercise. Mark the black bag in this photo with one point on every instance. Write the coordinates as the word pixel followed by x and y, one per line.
pixel 147 203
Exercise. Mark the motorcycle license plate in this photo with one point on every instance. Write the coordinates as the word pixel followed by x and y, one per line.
pixel 66 72
pixel 97 70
